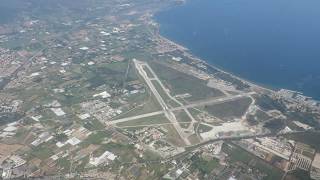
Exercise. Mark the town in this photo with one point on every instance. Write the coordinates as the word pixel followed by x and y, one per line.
pixel 102 95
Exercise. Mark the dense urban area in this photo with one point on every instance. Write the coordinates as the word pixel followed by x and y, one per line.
pixel 89 89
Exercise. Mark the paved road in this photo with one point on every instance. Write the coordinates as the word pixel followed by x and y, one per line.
pixel 196 104
pixel 14 75
pixel 156 78
pixel 213 101
pixel 233 138
pixel 167 112
pixel 136 117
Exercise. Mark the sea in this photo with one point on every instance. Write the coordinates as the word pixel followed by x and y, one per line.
pixel 275 43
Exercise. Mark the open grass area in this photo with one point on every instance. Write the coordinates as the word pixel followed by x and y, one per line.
pixel 237 154
pixel 149 74
pixel 194 139
pixel 172 136
pixel 110 74
pixel 230 109
pixel 204 166
pixel 82 165
pixel 310 138
pixel 181 83
pixel 203 128
pixel 194 112
pixel 262 116
pixel 150 155
pixel 150 105
pixel 158 119
pixel 96 138
pixel 298 174
pixel 42 152
pixel 158 169
pixel 64 163
pixel 183 118
pixel 93 125
pixel 138 98
pixel 259 117
pixel 125 153
pixel 164 95
pixel 266 103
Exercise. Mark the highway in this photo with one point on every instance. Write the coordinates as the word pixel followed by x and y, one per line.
pixel 234 138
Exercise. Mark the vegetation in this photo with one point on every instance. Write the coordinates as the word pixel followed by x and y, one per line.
pixel 61 137
pixel 164 95
pixel 172 136
pixel 237 154
pixel 204 166
pixel 150 105
pixel 125 152
pixel 93 125
pixel 183 118
pixel 181 83
pixel 96 138
pixel 275 125
pixel 310 138
pixel 42 152
pixel 204 128
pixel 158 119
pixel 238 83
pixel 266 103
pixel 230 109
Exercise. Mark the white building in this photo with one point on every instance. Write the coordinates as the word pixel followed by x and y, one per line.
pixel 96 161
pixel 315 167
pixel 103 94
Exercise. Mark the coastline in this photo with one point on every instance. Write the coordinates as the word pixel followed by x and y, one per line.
pixel 193 56
pixel 253 85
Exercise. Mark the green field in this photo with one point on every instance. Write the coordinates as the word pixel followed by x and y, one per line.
pixel 42 152
pixel 183 118
pixel 309 138
pixel 204 166
pixel 110 74
pixel 181 83
pixel 93 125
pixel 203 128
pixel 96 138
pixel 125 153
pixel 149 74
pixel 150 105
pixel 194 139
pixel 172 136
pixel 164 95
pixel 237 154
pixel 228 110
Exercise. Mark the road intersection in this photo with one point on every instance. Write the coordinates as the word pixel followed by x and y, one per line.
pixel 167 111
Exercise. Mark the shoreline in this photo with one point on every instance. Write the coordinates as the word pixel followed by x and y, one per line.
pixel 253 85
pixel 191 55
pixel 194 57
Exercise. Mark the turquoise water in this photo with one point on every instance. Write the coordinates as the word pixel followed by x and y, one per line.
pixel 271 42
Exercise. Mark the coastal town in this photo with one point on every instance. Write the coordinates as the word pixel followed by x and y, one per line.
pixel 93 91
